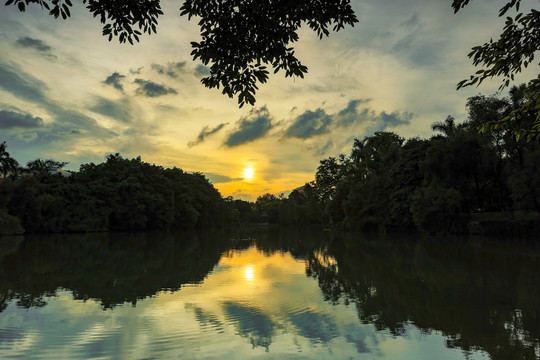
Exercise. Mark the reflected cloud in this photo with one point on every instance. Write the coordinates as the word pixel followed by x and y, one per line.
pixel 317 327
pixel 251 323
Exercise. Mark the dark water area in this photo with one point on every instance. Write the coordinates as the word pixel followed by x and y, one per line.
pixel 268 293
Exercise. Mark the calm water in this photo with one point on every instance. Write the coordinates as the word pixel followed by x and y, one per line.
pixel 267 293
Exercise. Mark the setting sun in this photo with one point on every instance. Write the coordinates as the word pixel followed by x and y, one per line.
pixel 249 173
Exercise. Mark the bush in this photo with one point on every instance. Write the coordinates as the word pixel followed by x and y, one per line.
pixel 9 225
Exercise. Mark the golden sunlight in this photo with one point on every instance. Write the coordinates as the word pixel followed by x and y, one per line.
pixel 249 273
pixel 249 173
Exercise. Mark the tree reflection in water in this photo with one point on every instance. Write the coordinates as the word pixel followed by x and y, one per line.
pixel 479 295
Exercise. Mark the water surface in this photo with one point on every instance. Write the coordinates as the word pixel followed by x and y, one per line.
pixel 267 293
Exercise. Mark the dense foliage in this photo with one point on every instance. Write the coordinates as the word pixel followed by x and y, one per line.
pixel 436 184
pixel 506 56
pixel 119 194
pixel 456 178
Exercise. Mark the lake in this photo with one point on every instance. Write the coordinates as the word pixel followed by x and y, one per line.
pixel 271 293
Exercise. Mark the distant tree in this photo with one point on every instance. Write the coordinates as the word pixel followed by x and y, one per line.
pixel 7 163
pixel 239 38
pixel 40 166
pixel 514 50
pixel 447 127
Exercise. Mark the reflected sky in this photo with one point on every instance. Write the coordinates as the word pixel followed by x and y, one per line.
pixel 253 304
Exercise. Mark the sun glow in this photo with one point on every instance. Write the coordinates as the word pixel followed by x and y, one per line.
pixel 249 273
pixel 249 173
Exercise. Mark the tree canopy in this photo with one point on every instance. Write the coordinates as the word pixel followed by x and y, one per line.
pixel 507 56
pixel 240 39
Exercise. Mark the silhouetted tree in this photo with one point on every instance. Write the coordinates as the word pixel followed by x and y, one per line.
pixel 239 38
pixel 508 55
pixel 39 166
pixel 7 163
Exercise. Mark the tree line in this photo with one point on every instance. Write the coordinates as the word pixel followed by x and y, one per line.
pixel 447 183
pixel 118 194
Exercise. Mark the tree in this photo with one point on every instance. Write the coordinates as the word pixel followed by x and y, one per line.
pixel 40 166
pixel 239 38
pixel 447 128
pixel 514 50
pixel 7 163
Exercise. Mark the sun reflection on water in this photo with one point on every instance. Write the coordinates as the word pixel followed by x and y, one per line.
pixel 249 273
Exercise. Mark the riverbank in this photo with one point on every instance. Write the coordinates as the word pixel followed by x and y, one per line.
pixel 504 224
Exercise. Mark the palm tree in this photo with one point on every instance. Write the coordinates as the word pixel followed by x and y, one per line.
pixel 7 163
pixel 40 166
pixel 447 128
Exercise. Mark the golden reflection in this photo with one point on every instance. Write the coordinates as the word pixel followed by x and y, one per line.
pixel 249 273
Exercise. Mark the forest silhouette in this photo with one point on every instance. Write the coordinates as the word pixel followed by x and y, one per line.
pixel 459 180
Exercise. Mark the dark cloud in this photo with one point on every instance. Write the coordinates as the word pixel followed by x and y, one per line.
pixel 202 70
pixel 114 80
pixel 171 69
pixel 205 132
pixel 251 127
pixel 152 89
pixel 20 84
pixel 217 178
pixel 118 109
pixel 24 86
pixel 394 119
pixel 310 124
pixel 135 71
pixel 36 44
pixel 11 119
pixel 316 123
pixel 350 115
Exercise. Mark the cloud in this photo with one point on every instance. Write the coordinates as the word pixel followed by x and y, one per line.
pixel 251 323
pixel 118 109
pixel 24 86
pixel 319 122
pixel 171 69
pixel 325 148
pixel 202 70
pixel 217 178
pixel 114 80
pixel 350 115
pixel 310 124
pixel 412 21
pixel 251 127
pixel 20 84
pixel 205 132
pixel 11 119
pixel 136 71
pixel 152 89
pixel 36 44
pixel 385 120
pixel 356 117
pixel 243 194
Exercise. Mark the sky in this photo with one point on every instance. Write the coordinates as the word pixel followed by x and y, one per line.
pixel 69 94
